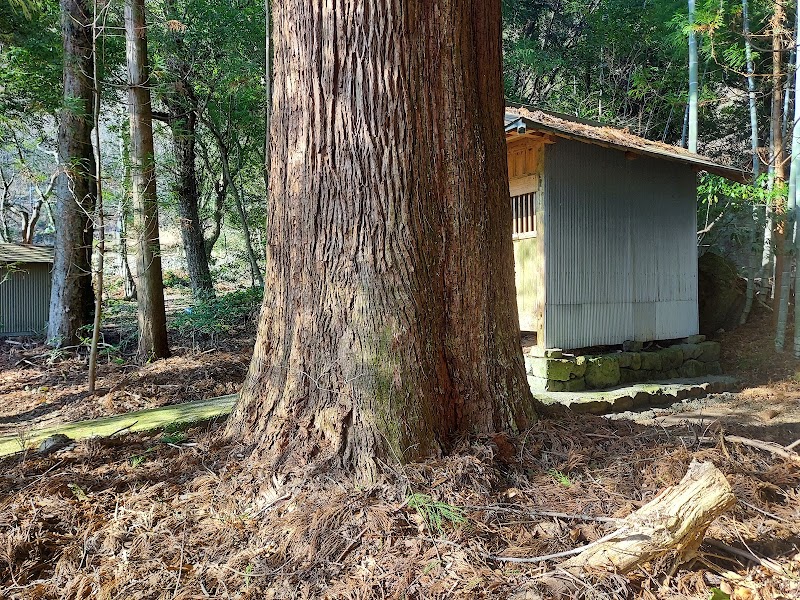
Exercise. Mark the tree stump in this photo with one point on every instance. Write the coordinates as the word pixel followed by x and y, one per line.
pixel 675 521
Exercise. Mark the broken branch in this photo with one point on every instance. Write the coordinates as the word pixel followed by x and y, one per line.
pixel 675 521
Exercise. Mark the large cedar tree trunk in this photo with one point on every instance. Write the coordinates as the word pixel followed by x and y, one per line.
pixel 389 326
pixel 149 283
pixel 72 298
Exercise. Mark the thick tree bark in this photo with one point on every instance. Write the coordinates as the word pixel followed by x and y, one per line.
pixel 183 124
pixel 267 88
pixel 149 284
pixel 182 107
pixel 389 326
pixel 71 298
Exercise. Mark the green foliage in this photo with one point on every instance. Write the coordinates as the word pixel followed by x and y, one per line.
pixel 610 60
pixel 78 492
pixel 213 316
pixel 30 60
pixel 625 62
pixel 435 513
pixel 173 279
pixel 560 477
pixel 725 209
pixel 174 437
pixel 137 460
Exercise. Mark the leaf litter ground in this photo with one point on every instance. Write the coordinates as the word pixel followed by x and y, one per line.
pixel 183 514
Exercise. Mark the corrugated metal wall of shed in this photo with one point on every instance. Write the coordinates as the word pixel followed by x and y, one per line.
pixel 24 299
pixel 621 247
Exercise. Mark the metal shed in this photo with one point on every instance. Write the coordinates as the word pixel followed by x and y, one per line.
pixel 604 231
pixel 24 288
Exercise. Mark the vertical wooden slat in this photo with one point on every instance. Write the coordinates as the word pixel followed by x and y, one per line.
pixel 528 213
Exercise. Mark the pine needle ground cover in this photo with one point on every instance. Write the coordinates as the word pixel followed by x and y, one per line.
pixel 167 516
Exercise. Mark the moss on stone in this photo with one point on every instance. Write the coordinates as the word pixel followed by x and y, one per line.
pixel 580 366
pixel 651 361
pixel 629 360
pixel 556 369
pixel 628 376
pixel 709 352
pixel 602 371
pixel 689 350
pixel 575 385
pixel 140 420
pixel 714 368
pixel 671 358
pixel 692 368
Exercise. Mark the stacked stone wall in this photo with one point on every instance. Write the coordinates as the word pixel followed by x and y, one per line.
pixel 556 372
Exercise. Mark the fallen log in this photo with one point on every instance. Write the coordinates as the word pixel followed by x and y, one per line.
pixel 674 522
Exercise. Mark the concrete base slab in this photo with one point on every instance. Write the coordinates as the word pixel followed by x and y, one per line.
pixel 636 396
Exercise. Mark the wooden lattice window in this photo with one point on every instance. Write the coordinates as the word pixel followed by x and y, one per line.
pixel 523 210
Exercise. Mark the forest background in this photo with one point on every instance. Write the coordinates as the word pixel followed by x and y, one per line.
pixel 622 62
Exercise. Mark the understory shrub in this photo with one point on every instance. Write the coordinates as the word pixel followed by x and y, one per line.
pixel 214 316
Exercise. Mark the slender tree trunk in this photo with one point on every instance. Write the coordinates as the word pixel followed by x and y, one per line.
pixel 692 80
pixel 30 225
pixel 182 107
pixel 685 130
pixel 71 298
pixel 267 90
pixel 149 284
pixel 5 195
pixel 791 204
pixel 123 267
pixel 751 93
pixel 183 141
pixel 255 271
pixel 779 210
pixel 389 327
pixel 787 89
pixel 123 216
pixel 220 194
pixel 101 230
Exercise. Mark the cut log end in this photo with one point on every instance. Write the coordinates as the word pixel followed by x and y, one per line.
pixel 674 522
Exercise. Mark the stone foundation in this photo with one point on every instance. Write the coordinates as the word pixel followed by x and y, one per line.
pixel 556 372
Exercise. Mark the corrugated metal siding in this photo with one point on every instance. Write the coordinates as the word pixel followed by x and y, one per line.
pixel 621 247
pixel 24 299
